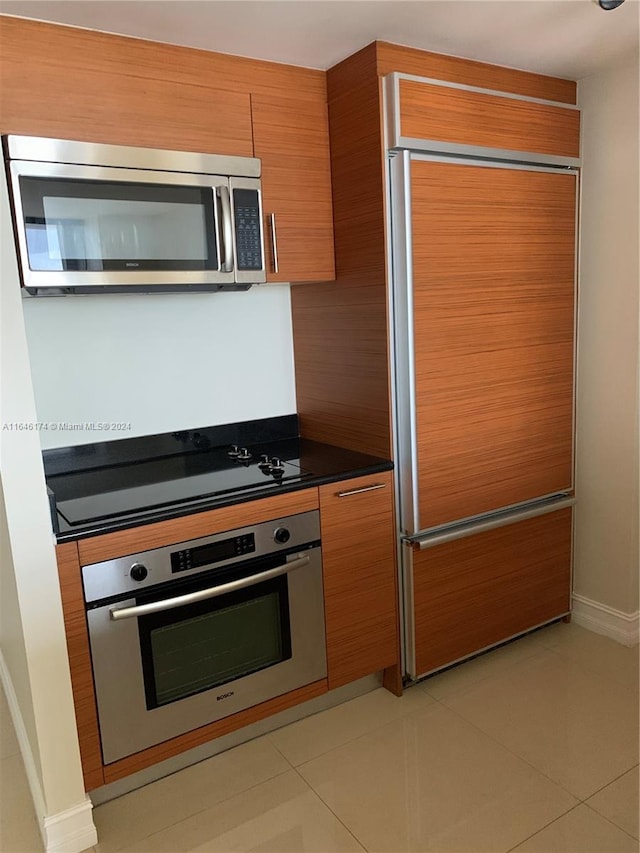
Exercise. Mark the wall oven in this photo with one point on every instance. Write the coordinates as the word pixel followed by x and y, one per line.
pixel 185 635
pixel 90 218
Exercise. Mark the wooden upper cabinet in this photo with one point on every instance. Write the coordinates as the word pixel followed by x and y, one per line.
pixel 359 568
pixel 42 95
pixel 291 137
pixel 462 116
pixel 493 326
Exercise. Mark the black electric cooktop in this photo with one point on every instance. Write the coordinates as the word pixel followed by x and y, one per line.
pixel 175 480
pixel 101 487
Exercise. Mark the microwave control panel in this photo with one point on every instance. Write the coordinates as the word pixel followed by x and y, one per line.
pixel 246 207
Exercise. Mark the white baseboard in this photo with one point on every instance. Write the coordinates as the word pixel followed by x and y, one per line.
pixel 622 627
pixel 69 831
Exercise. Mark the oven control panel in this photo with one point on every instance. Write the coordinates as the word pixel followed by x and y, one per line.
pixel 138 571
pixel 213 552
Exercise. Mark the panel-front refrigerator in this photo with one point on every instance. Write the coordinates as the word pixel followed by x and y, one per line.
pixel 483 306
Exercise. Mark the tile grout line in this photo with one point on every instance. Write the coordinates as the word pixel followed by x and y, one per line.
pixel 193 814
pixel 624 773
pixel 551 822
pixel 356 737
pixel 441 702
pixel 327 806
pixel 609 820
pixel 473 685
pixel 515 754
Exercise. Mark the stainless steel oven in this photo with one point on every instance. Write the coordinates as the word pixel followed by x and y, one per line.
pixel 185 635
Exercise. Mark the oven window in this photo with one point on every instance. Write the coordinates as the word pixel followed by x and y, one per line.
pixel 197 647
pixel 101 225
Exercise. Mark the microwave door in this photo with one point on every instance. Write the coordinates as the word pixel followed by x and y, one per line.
pixel 94 227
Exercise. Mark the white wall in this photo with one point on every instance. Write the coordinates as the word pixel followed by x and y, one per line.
pixel 12 648
pixel 35 667
pixel 159 362
pixel 606 539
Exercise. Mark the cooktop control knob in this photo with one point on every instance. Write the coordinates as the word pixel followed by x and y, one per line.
pixel 138 572
pixel 233 452
pixel 276 464
pixel 282 535
pixel 264 462
pixel 243 454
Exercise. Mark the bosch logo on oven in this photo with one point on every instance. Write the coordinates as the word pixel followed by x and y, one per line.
pixel 225 695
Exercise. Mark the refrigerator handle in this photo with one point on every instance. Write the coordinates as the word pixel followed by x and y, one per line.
pixel 430 540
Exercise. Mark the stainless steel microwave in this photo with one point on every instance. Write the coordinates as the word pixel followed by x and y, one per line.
pixel 92 218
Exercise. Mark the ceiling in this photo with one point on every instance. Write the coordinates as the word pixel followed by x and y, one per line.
pixel 564 38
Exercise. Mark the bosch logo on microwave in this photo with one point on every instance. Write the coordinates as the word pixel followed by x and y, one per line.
pixel 225 695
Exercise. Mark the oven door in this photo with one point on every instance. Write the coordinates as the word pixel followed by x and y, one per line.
pixel 193 651
pixel 91 226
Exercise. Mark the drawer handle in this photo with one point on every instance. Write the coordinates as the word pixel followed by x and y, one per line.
pixel 359 491
pixel 431 540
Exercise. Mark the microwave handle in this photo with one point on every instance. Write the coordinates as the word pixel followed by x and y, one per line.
pixel 212 592
pixel 227 229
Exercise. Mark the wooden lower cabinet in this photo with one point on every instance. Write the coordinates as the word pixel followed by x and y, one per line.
pixel 360 594
pixel 84 696
pixel 360 579
pixel 477 591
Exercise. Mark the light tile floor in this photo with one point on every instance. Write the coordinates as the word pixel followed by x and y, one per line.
pixel 531 748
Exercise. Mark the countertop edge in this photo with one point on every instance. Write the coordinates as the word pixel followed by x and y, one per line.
pixel 255 494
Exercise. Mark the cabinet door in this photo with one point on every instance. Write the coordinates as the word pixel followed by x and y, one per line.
pixel 360 580
pixel 493 326
pixel 291 136
pixel 476 591
pixel 450 114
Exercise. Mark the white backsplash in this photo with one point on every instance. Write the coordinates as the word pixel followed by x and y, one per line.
pixel 147 364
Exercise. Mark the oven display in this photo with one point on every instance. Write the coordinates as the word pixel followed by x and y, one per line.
pixel 213 552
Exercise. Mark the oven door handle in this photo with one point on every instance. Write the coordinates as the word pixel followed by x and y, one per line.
pixel 211 592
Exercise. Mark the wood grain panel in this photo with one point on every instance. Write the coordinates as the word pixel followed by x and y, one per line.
pixel 493 264
pixel 474 592
pixel 84 698
pixel 472 118
pixel 291 136
pixel 143 537
pixel 422 63
pixel 359 570
pixel 120 109
pixel 340 329
pixel 354 71
pixel 162 751
pixel 36 46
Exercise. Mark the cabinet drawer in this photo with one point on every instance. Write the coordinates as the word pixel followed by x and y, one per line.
pixel 464 116
pixel 360 582
pixel 474 592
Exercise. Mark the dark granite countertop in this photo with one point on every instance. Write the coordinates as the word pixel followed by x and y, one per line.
pixel 105 487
